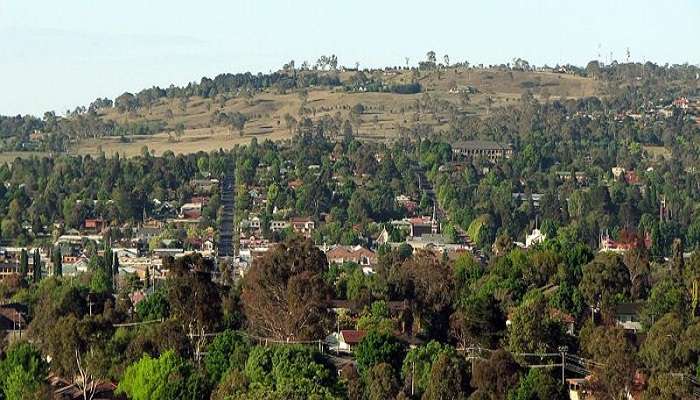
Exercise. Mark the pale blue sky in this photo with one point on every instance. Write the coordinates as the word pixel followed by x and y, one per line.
pixel 59 54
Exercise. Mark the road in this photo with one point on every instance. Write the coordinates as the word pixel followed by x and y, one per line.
pixel 440 215
pixel 226 245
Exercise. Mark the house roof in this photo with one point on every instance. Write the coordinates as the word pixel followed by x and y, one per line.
pixel 421 220
pixel 352 336
pixel 479 145
pixel 349 252
pixel 14 313
pixel 300 220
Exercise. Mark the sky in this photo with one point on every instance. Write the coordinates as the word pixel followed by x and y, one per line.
pixel 56 55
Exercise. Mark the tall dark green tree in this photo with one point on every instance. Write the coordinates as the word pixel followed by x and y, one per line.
pixel 37 266
pixel 107 261
pixel 115 266
pixel 23 263
pixel 57 262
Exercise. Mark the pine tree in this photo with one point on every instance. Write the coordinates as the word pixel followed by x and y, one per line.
pixel 57 262
pixel 115 266
pixel 107 260
pixel 37 266
pixel 147 278
pixel 23 263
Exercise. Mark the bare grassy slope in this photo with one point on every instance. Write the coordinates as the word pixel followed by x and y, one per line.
pixel 385 112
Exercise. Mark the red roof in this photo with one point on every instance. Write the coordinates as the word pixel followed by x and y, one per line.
pixel 192 214
pixel 421 220
pixel 93 223
pixel 352 336
pixel 300 220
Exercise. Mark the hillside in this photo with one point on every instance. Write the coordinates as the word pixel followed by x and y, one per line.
pixel 383 117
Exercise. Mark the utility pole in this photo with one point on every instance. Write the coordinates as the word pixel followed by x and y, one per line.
pixel 563 350
pixel 413 377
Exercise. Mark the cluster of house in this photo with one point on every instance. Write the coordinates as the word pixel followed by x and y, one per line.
pixel 142 247
pixel 689 106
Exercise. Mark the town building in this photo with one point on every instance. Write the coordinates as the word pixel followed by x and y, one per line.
pixel 627 315
pixel 303 225
pixel 493 151
pixel 420 226
pixel 359 255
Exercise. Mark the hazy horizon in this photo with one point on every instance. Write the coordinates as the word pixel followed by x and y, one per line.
pixel 56 56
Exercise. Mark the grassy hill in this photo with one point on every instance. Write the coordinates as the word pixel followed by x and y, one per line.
pixel 384 115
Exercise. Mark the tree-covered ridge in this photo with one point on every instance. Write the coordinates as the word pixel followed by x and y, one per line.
pixel 632 86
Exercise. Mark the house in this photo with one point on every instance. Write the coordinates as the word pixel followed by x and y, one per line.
pixel 13 317
pixel 627 316
pixel 94 224
pixel 356 254
pixel 626 242
pixel 74 265
pixel 303 225
pixel 566 176
pixel 191 210
pixel 534 197
pixel 420 226
pixel 253 223
pixel 65 390
pixel 276 226
pixel 534 238
pixel 578 388
pixel 493 151
pixel 78 239
pixel 437 243
pixel 8 269
pixel 164 252
pixel 346 340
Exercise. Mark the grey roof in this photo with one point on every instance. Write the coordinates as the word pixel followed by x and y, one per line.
pixel 629 308
pixel 479 145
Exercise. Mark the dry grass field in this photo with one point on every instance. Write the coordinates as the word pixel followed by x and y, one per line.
pixel 10 156
pixel 384 113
